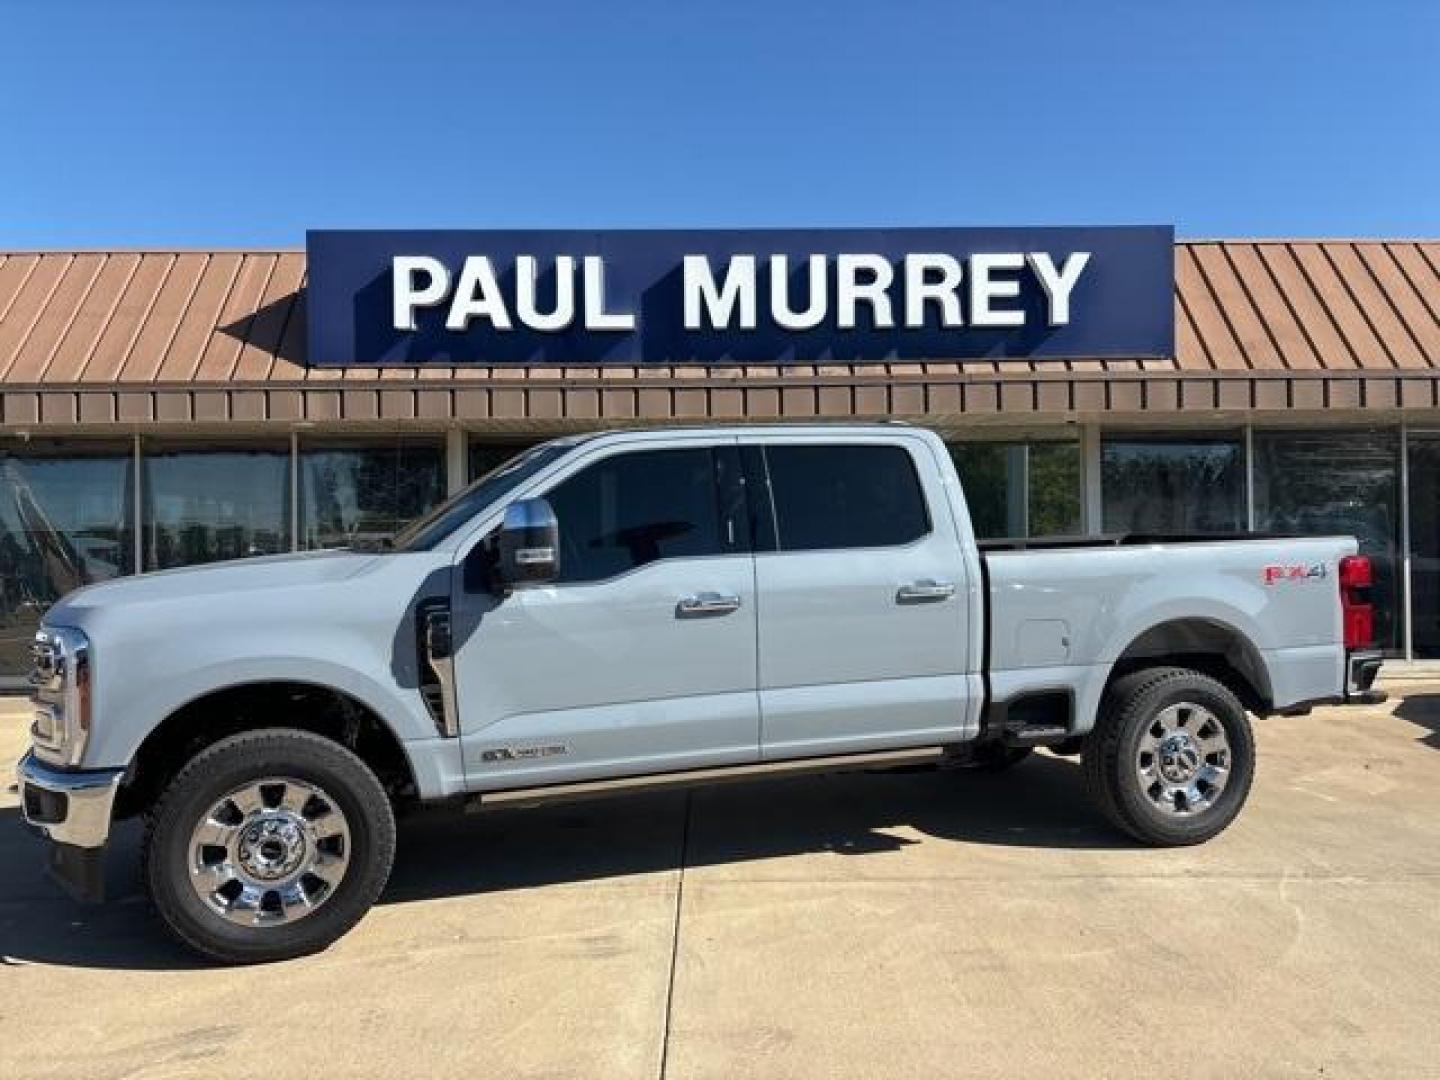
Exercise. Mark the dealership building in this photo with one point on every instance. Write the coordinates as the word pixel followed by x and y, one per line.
pixel 165 408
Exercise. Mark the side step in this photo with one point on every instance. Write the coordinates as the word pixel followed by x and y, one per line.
pixel 1035 735
pixel 724 774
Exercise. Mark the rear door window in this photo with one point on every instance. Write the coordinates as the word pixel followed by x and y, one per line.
pixel 845 496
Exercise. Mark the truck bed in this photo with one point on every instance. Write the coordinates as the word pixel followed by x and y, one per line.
pixel 1063 610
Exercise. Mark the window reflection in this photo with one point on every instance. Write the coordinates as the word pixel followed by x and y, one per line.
pixel 65 521
pixel 481 457
pixel 1425 543
pixel 1020 489
pixel 1173 484
pixel 1324 483
pixel 355 492
pixel 204 503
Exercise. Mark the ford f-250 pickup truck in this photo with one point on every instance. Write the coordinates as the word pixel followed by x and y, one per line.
pixel 639 608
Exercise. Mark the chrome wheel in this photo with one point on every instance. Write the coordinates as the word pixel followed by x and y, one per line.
pixel 270 852
pixel 1184 759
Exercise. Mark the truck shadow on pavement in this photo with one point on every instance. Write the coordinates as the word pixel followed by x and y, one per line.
pixel 1422 710
pixel 1039 804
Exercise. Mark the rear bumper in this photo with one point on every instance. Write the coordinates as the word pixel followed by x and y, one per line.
pixel 1361 669
pixel 72 810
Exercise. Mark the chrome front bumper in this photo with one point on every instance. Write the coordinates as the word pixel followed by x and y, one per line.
pixel 70 808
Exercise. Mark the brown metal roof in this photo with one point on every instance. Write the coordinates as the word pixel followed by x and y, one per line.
pixel 123 337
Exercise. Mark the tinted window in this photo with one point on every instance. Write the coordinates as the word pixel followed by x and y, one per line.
pixel 633 509
pixel 206 503
pixel 845 497
pixel 1173 484
pixel 66 520
pixel 482 457
pixel 1020 489
pixel 354 492
pixel 424 534
pixel 1345 483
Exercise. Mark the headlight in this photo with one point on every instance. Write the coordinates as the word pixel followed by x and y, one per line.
pixel 60 681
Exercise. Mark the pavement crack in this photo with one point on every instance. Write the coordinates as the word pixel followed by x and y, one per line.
pixel 675 940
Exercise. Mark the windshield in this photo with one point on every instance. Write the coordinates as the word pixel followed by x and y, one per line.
pixel 426 532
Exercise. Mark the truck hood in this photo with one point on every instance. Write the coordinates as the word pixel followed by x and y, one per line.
pixel 238 576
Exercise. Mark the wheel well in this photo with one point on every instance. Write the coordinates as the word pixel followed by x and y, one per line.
pixel 1218 650
pixel 318 709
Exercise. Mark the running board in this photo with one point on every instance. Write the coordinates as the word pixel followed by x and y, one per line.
pixel 723 774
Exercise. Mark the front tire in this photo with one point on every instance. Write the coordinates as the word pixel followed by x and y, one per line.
pixel 268 845
pixel 1172 756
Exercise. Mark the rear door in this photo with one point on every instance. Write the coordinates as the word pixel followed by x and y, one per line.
pixel 863 628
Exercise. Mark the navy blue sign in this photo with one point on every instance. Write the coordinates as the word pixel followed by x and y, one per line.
pixel 390 298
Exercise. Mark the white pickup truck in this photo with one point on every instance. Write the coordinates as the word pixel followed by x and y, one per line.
pixel 638 608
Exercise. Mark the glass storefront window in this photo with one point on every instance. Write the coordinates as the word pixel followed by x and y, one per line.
pixel 359 490
pixel 66 520
pixel 205 502
pixel 481 457
pixel 1346 482
pixel 1020 489
pixel 1173 484
pixel 1424 450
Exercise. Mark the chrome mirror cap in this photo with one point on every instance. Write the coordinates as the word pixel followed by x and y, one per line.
pixel 529 544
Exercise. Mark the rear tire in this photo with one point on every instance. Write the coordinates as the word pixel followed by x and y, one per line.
pixel 268 845
pixel 1172 756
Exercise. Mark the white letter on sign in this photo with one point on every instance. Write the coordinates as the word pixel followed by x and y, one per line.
pixel 1058 285
pixel 407 295
pixel 596 317
pixel 850 290
pixel 780 311
pixel 699 286
pixel 941 293
pixel 477 293
pixel 984 289
pixel 527 276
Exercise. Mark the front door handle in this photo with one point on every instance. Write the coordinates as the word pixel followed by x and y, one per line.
pixel 706 603
pixel 925 591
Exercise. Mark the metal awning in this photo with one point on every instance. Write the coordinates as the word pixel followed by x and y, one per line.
pixel 115 340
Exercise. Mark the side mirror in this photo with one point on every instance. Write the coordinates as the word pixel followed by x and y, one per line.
pixel 529 544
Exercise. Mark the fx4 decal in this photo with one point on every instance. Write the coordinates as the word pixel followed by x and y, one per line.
pixel 1274 574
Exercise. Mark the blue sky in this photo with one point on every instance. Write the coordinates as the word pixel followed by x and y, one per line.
pixel 205 124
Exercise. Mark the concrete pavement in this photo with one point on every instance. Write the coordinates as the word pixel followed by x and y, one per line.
pixel 916 924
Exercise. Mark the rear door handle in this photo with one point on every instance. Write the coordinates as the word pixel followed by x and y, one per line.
pixel 925 591
pixel 706 603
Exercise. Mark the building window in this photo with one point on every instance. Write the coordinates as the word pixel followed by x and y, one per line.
pixel 1424 452
pixel 482 457
pixel 1338 482
pixel 205 502
pixel 66 520
pixel 359 490
pixel 1016 489
pixel 1173 484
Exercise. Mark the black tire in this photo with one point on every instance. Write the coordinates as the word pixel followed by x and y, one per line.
pixel 1133 709
pixel 229 765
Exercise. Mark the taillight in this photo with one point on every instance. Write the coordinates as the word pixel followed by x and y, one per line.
pixel 1356 614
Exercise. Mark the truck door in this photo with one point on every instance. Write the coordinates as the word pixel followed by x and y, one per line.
pixel 641 657
pixel 863 628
